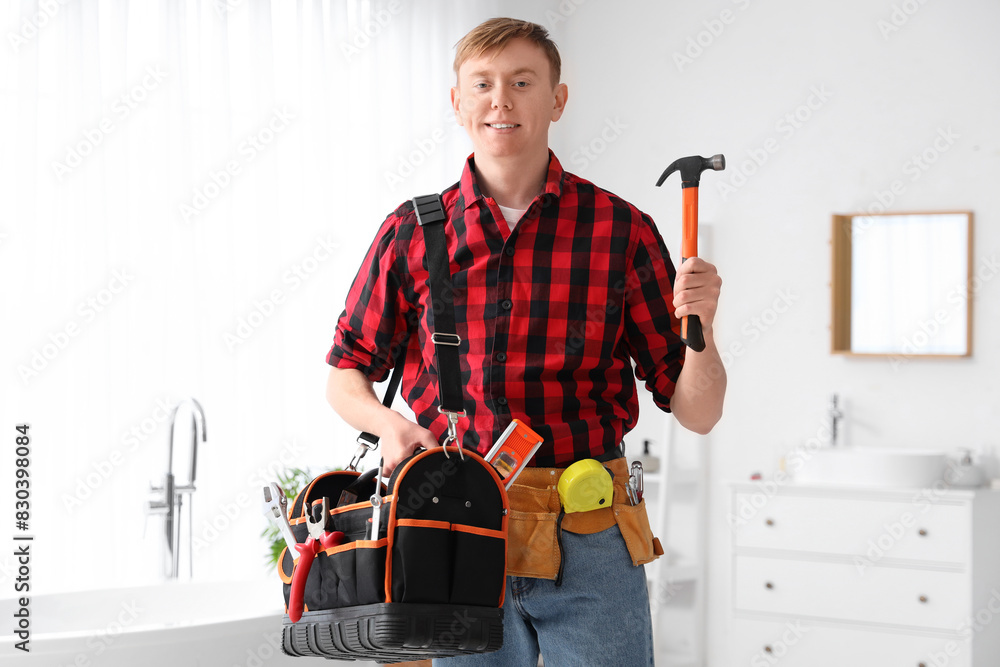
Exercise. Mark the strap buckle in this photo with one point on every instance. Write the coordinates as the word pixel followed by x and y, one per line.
pixel 446 339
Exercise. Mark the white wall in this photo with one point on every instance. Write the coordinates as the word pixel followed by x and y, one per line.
pixel 885 98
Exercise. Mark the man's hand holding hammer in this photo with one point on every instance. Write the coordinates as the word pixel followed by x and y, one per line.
pixel 701 387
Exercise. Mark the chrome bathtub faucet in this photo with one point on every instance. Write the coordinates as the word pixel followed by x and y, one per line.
pixel 170 495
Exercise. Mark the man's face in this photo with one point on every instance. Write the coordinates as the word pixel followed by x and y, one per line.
pixel 506 100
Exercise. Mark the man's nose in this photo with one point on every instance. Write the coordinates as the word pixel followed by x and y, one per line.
pixel 501 98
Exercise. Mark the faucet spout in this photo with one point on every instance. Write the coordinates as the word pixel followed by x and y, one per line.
pixel 200 413
pixel 197 419
pixel 836 415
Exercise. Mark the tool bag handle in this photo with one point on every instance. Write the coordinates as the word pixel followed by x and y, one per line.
pixel 431 216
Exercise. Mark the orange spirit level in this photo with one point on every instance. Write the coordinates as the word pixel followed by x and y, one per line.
pixel 516 446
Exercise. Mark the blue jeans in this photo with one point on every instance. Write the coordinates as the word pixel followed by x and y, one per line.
pixel 598 616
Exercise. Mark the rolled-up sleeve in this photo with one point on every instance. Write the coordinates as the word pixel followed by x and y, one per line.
pixel 372 326
pixel 652 331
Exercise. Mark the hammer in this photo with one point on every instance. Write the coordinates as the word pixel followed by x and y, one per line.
pixel 691 168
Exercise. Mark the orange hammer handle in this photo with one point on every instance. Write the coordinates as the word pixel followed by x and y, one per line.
pixel 691 333
pixel 689 230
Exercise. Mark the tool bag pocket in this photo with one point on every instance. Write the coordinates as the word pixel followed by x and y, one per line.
pixel 351 572
pixel 438 562
pixel 447 530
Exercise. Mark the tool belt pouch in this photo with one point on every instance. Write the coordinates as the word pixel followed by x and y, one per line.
pixel 633 522
pixel 533 545
pixel 431 583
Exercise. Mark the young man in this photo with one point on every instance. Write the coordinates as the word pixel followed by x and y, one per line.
pixel 559 288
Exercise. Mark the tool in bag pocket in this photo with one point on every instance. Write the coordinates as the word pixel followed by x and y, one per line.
pixel 417 567
pixel 319 540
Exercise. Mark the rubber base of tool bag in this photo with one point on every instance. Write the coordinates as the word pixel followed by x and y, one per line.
pixel 395 632
pixel 430 583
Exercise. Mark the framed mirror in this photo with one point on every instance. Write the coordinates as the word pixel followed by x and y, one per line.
pixel 901 284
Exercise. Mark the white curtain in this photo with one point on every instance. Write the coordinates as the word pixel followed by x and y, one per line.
pixel 188 188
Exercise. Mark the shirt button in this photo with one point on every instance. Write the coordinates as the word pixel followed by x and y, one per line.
pixel 510 251
pixel 502 401
pixel 501 356
pixel 506 304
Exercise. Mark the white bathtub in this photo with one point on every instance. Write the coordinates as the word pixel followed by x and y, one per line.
pixel 230 624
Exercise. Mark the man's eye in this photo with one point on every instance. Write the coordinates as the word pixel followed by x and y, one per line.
pixel 479 85
pixel 521 84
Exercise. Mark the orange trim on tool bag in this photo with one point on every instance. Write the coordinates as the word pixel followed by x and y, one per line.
pixel 361 505
pixel 346 508
pixel 391 527
pixel 357 544
pixel 503 523
pixel 424 523
pixel 393 522
pixel 308 489
pixel 475 530
pixel 281 571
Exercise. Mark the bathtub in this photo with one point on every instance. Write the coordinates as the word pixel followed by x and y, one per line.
pixel 182 624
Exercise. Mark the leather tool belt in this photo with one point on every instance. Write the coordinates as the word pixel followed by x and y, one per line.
pixel 533 526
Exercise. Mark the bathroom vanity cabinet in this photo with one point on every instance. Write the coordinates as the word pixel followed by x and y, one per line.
pixel 858 577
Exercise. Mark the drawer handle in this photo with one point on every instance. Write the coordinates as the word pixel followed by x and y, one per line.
pixel 922 532
pixel 768 649
pixel 769 522
pixel 768 585
pixel 921 664
pixel 923 599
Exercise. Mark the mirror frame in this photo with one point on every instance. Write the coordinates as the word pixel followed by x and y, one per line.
pixel 840 284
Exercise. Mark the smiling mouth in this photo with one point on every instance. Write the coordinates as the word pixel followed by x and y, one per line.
pixel 503 126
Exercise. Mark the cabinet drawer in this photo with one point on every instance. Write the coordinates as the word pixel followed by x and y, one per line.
pixel 890 595
pixel 796 644
pixel 873 529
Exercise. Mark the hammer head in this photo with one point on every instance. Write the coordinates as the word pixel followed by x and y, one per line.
pixel 691 168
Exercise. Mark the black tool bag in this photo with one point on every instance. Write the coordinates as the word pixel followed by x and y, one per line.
pixel 430 582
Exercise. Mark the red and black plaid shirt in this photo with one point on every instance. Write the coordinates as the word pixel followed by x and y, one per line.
pixel 551 315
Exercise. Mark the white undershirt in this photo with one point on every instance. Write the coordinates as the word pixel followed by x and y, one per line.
pixel 511 215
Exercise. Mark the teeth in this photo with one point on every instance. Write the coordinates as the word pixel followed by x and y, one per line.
pixel 502 126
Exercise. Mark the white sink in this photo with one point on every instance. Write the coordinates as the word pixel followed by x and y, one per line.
pixel 869 466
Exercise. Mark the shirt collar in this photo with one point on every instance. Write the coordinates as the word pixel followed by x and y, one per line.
pixel 469 187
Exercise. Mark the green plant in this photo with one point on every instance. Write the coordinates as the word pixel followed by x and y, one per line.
pixel 292 480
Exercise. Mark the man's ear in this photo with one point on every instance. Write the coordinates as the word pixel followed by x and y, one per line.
pixel 455 104
pixel 561 95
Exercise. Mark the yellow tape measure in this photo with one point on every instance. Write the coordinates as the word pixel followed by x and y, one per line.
pixel 586 485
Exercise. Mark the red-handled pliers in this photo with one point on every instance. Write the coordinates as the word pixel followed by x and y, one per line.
pixel 319 540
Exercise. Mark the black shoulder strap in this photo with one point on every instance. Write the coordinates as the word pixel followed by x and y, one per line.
pixel 431 216
pixel 390 393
